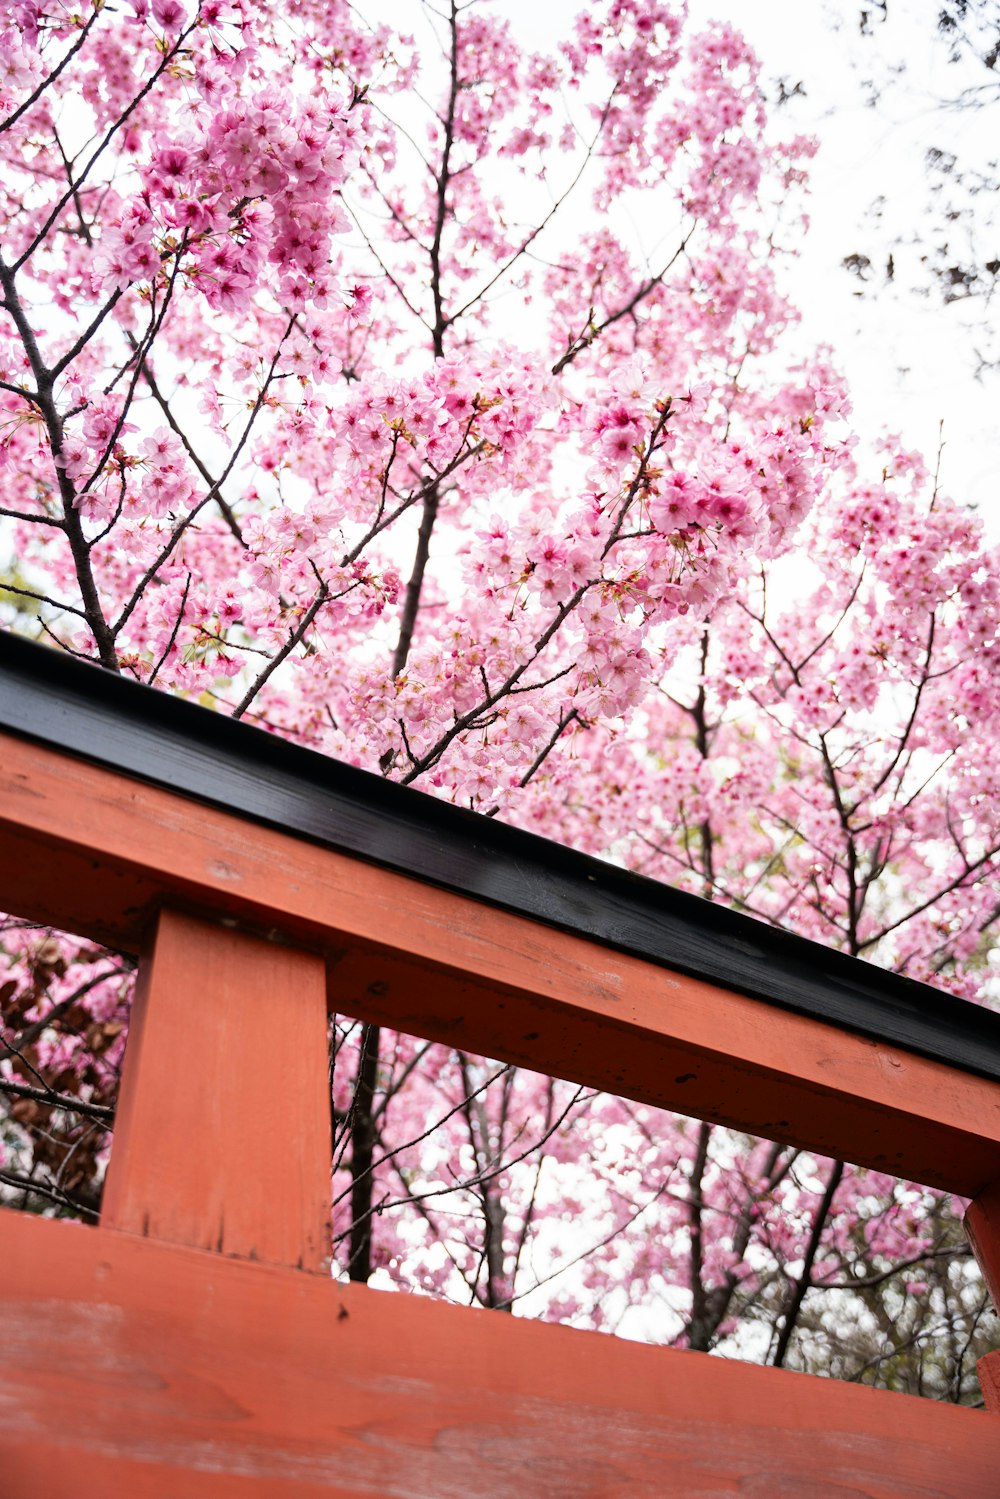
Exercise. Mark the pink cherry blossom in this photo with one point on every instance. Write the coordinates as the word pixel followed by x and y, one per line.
pixel 312 370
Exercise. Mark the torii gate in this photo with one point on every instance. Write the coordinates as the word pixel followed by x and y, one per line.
pixel 194 1346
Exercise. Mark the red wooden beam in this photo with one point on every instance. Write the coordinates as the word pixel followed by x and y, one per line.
pixel 137 1370
pixel 440 965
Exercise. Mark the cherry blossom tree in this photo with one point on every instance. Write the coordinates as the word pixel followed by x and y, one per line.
pixel 434 402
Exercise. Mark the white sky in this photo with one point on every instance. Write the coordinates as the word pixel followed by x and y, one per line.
pixel 909 359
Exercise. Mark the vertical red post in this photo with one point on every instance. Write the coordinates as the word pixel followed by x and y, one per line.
pixel 988 1369
pixel 982 1224
pixel 222 1137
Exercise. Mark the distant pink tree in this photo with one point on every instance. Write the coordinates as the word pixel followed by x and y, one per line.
pixel 435 403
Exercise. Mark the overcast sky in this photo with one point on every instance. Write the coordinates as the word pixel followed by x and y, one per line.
pixel 910 359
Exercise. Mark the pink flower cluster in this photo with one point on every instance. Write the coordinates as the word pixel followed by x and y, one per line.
pixel 254 185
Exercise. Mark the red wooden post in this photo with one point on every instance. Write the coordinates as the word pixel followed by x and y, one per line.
pixel 988 1369
pixel 982 1224
pixel 222 1139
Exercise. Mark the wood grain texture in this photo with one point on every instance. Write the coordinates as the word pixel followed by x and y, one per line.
pixel 222 1136
pixel 988 1370
pixel 434 963
pixel 136 1370
pixel 982 1224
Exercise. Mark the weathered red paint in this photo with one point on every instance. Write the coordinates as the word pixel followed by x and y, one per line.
pixel 132 1368
pixel 988 1369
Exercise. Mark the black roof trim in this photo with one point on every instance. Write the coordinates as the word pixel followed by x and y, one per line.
pixel 48 697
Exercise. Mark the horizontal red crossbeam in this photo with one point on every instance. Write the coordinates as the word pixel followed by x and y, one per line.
pixel 154 1371
pixel 98 854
